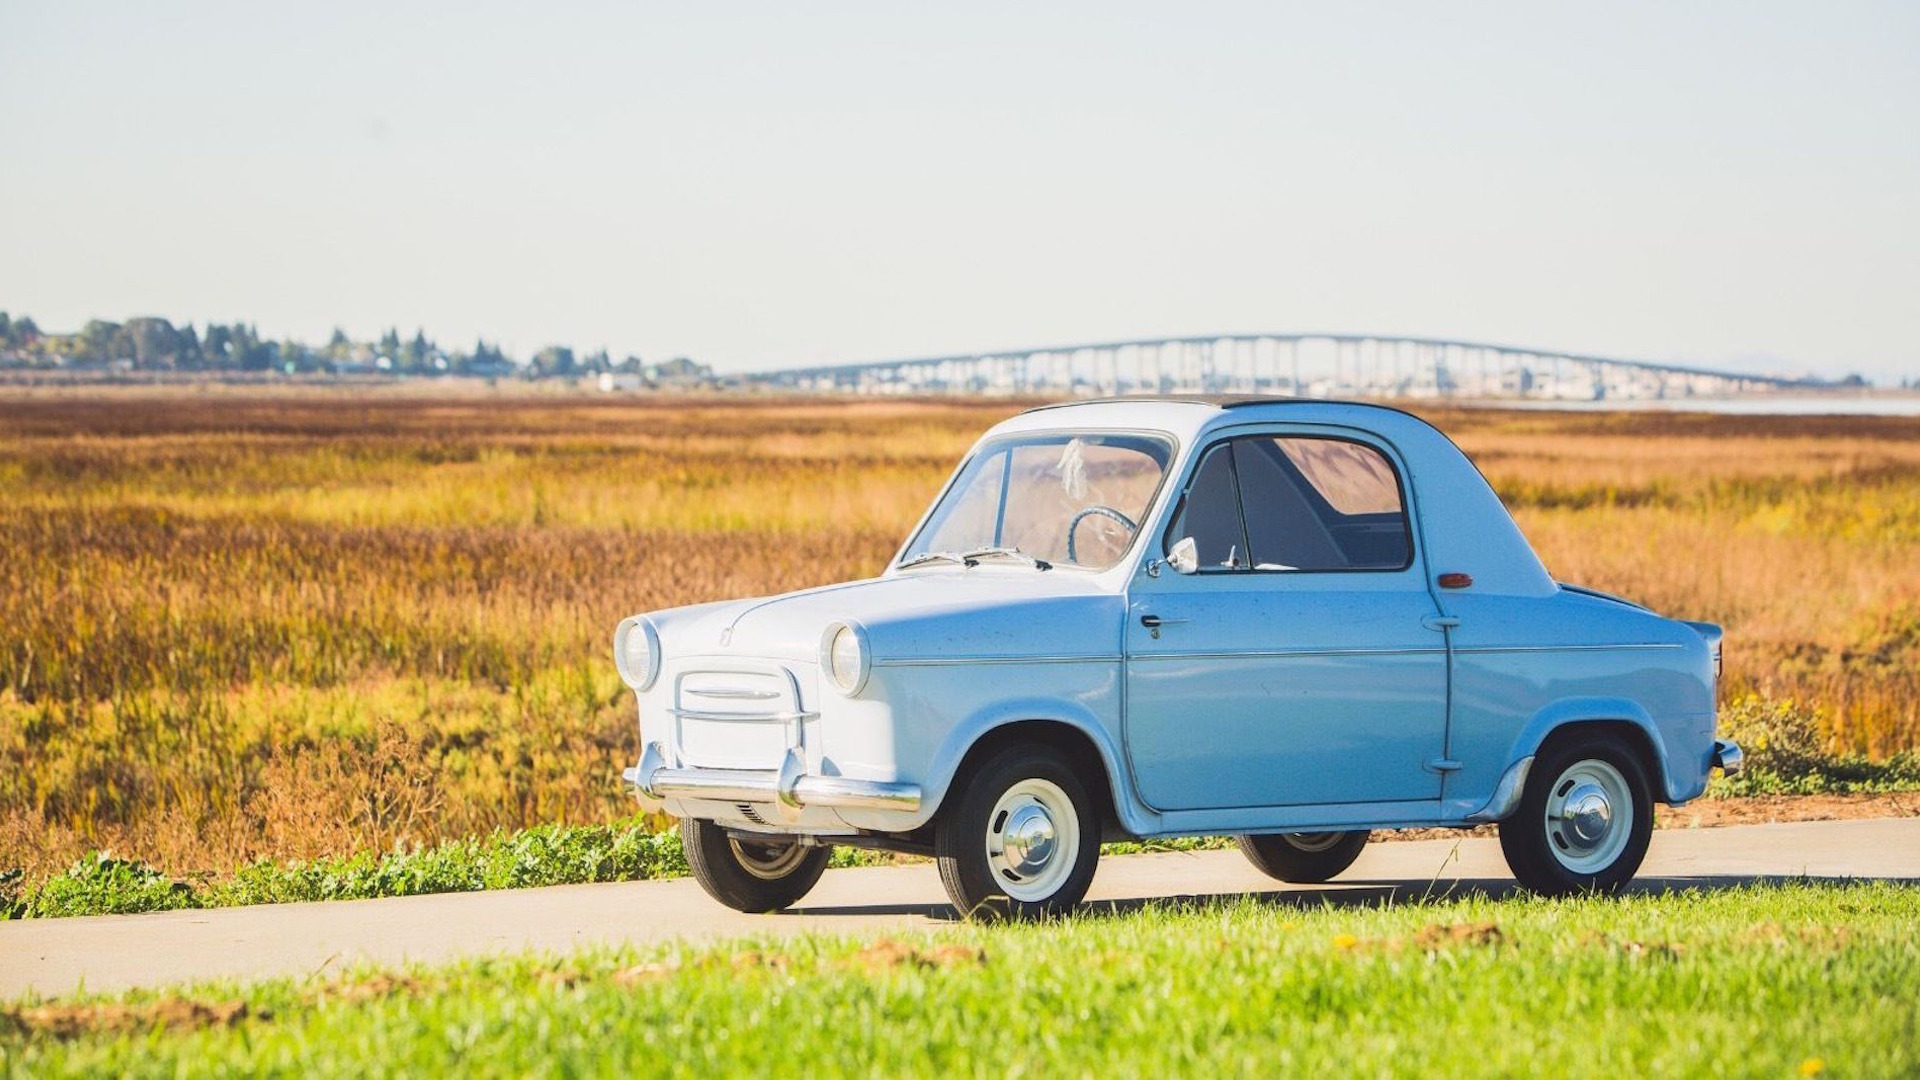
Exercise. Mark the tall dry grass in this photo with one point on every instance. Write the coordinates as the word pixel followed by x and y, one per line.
pixel 241 624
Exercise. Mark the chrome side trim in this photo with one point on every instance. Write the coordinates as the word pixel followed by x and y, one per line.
pixel 1270 654
pixel 787 790
pixel 947 661
pixel 1728 757
pixel 1563 648
pixel 1249 654
pixel 1506 794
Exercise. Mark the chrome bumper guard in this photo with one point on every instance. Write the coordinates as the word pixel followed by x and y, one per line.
pixel 1727 757
pixel 789 789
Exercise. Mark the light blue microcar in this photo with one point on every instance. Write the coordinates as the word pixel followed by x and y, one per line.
pixel 1287 621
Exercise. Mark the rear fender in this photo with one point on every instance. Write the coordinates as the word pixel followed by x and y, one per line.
pixel 1568 712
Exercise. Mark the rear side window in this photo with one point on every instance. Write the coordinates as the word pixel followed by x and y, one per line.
pixel 1294 503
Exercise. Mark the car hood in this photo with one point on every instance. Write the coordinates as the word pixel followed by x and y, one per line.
pixel 985 611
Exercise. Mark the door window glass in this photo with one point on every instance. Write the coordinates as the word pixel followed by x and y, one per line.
pixel 1210 513
pixel 1296 504
pixel 1354 479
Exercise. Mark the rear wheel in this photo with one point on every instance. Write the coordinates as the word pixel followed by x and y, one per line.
pixel 751 875
pixel 1585 820
pixel 1305 858
pixel 1021 839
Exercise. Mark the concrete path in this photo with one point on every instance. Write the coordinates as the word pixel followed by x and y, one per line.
pixel 112 952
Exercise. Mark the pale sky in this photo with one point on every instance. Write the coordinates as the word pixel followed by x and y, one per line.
pixel 783 184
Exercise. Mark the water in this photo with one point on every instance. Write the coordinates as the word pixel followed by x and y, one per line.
pixel 1784 405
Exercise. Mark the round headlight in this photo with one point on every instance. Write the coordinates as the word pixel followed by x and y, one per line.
pixel 844 655
pixel 636 652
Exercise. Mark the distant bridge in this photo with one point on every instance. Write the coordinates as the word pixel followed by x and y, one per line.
pixel 1313 365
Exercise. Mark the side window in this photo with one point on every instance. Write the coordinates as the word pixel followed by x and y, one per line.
pixel 1283 528
pixel 1210 512
pixel 1297 504
pixel 1352 478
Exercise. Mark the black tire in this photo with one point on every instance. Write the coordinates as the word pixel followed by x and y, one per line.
pixel 998 802
pixel 750 875
pixel 1561 856
pixel 1304 858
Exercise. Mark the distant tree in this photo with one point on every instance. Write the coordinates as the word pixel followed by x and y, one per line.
pixel 190 352
pixel 414 354
pixel 249 352
pixel 217 347
pixel 154 342
pixel 485 359
pixel 96 341
pixel 295 357
pixel 554 361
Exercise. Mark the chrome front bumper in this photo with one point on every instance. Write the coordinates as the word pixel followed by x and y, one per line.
pixel 788 789
pixel 1727 757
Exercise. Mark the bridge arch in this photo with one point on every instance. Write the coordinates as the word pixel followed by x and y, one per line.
pixel 1301 364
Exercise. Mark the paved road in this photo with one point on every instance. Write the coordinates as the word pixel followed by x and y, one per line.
pixel 56 956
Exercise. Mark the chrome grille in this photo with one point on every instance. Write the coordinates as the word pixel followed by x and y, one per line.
pixel 737 718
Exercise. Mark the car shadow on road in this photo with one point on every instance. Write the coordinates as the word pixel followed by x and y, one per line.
pixel 1357 893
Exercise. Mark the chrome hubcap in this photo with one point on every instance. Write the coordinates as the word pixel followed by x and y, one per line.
pixel 1589 816
pixel 768 862
pixel 1033 840
pixel 1029 840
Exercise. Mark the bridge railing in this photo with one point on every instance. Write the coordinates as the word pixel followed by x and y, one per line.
pixel 1324 365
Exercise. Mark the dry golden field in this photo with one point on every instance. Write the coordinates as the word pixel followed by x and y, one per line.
pixel 245 623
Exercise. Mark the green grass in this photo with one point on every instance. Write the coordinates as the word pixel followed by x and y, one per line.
pixel 631 850
pixel 1766 980
pixel 100 884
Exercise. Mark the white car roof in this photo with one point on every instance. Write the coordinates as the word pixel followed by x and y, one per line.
pixel 1463 526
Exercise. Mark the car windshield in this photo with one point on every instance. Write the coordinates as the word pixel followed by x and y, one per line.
pixel 1067 499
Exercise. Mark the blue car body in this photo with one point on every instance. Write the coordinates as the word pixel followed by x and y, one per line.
pixel 1223 700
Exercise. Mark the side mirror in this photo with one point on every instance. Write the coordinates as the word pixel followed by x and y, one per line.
pixel 1184 556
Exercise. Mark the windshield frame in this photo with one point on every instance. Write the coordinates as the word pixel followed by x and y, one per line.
pixel 987 445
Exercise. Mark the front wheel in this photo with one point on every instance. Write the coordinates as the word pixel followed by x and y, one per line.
pixel 751 875
pixel 1304 858
pixel 1585 820
pixel 1022 838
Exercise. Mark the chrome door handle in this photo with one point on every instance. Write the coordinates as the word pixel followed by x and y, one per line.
pixel 1155 622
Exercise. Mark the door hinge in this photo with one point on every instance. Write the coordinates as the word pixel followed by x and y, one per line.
pixel 1444 765
pixel 1440 622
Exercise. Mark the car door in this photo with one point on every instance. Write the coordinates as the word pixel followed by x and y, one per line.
pixel 1299 664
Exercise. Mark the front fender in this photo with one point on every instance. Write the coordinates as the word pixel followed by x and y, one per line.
pixel 1134 816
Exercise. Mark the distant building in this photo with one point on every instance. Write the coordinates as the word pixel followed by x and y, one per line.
pixel 491 369
pixel 626 380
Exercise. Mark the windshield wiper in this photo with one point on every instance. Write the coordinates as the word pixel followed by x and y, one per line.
pixel 926 557
pixel 1007 553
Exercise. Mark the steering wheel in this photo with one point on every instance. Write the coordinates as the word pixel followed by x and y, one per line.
pixel 1103 511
